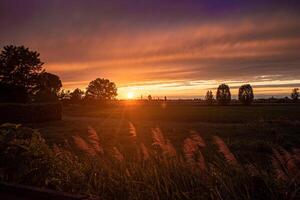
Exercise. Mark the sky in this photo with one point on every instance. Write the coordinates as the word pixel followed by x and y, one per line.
pixel 173 48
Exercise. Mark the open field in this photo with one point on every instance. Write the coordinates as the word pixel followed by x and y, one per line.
pixel 239 124
pixel 144 152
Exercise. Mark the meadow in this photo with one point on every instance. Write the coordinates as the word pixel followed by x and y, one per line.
pixel 162 151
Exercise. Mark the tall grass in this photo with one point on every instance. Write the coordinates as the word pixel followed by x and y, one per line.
pixel 199 169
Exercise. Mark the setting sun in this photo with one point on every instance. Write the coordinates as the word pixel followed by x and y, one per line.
pixel 130 95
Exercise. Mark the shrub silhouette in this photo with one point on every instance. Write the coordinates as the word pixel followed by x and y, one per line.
pixel 101 89
pixel 76 96
pixel 23 150
pixel 48 86
pixel 209 97
pixel 64 95
pixel 223 94
pixel 295 94
pixel 246 94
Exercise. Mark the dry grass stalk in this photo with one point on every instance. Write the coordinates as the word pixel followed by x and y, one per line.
pixel 197 139
pixel 278 163
pixel 127 172
pixel 230 158
pixel 193 154
pixel 165 145
pixel 117 154
pixel 158 138
pixel 170 150
pixel 284 164
pixel 290 162
pixel 145 152
pixel 94 140
pixel 132 130
pixel 201 161
pixel 189 150
pixel 84 146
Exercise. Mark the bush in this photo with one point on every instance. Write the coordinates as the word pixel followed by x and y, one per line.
pixel 24 155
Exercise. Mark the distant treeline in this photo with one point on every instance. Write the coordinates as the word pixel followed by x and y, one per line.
pixel 245 96
pixel 223 97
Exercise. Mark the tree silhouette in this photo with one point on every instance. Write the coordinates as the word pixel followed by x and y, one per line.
pixel 64 95
pixel 76 95
pixel 48 86
pixel 20 67
pixel 149 97
pixel 50 82
pixel 246 94
pixel 295 94
pixel 101 89
pixel 223 94
pixel 209 97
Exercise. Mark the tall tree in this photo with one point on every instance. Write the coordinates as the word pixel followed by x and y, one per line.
pixel 223 94
pixel 209 97
pixel 295 94
pixel 20 67
pixel 101 89
pixel 246 95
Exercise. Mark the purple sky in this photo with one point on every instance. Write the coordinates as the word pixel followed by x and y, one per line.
pixel 178 48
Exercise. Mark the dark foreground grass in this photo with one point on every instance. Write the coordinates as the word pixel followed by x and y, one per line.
pixel 131 153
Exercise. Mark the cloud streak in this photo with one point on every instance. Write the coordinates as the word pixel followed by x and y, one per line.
pixel 174 42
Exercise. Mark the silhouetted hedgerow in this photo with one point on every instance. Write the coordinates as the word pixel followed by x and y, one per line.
pixel 41 112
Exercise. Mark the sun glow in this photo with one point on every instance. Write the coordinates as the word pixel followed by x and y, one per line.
pixel 130 95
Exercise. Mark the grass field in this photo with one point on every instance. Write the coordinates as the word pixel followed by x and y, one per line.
pixel 242 153
pixel 240 125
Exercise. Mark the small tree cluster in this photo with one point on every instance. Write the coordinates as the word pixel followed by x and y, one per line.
pixel 209 97
pixel 22 77
pixel 98 89
pixel 223 95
